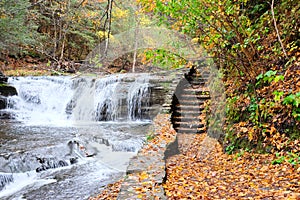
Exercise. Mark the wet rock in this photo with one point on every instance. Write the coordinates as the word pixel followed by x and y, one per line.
pixel 31 98
pixel 3 102
pixel 70 106
pixel 41 168
pixel 73 146
pixel 6 115
pixel 50 163
pixel 79 150
pixel 73 160
pixel 3 78
pixel 5 179
pixel 7 90
pixel 62 163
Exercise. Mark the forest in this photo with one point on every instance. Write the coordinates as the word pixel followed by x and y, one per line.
pixel 255 46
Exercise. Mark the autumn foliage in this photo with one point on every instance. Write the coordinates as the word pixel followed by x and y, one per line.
pixel 242 175
pixel 255 45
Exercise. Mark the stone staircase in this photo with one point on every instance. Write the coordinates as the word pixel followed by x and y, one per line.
pixel 187 107
pixel 188 103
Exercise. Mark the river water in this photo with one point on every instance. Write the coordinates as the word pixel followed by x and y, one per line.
pixel 68 138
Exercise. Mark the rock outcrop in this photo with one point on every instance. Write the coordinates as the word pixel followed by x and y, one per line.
pixel 5 91
pixel 3 78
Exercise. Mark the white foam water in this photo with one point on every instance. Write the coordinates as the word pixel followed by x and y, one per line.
pixel 105 116
pixel 64 101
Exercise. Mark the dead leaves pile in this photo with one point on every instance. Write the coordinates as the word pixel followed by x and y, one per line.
pixel 223 176
pixel 163 133
pixel 110 192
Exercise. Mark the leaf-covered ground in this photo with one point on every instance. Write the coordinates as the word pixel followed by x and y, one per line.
pixel 218 175
pixel 204 171
pixel 110 192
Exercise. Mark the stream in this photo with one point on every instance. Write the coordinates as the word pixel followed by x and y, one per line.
pixel 68 138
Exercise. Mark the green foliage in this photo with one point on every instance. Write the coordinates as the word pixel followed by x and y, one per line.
pixel 150 136
pixel 254 112
pixel 163 59
pixel 230 149
pixel 59 30
pixel 15 27
pixel 279 160
pixel 294 101
pixel 268 77
pixel 240 153
pixel 292 158
pixel 243 40
pixel 234 32
pixel 278 95
pixel 252 115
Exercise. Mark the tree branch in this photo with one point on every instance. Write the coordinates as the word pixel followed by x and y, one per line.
pixel 275 25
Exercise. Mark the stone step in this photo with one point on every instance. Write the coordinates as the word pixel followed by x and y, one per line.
pixel 199 93
pixel 188 108
pixel 183 94
pixel 191 102
pixel 196 82
pixel 186 111
pixel 201 74
pixel 189 130
pixel 188 125
pixel 186 114
pixel 203 93
pixel 197 79
pixel 197 89
pixel 188 122
pixel 186 119
pixel 194 96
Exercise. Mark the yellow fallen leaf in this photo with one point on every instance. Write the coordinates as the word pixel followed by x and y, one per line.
pixel 143 176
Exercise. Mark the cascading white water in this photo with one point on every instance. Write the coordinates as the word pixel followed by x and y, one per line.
pixel 139 94
pixel 63 99
pixel 5 179
pixel 99 100
pixel 53 150
pixel 40 99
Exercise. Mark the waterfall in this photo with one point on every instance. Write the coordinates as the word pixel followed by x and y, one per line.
pixel 75 132
pixel 63 99
pixel 40 98
pixel 138 96
pixel 5 179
